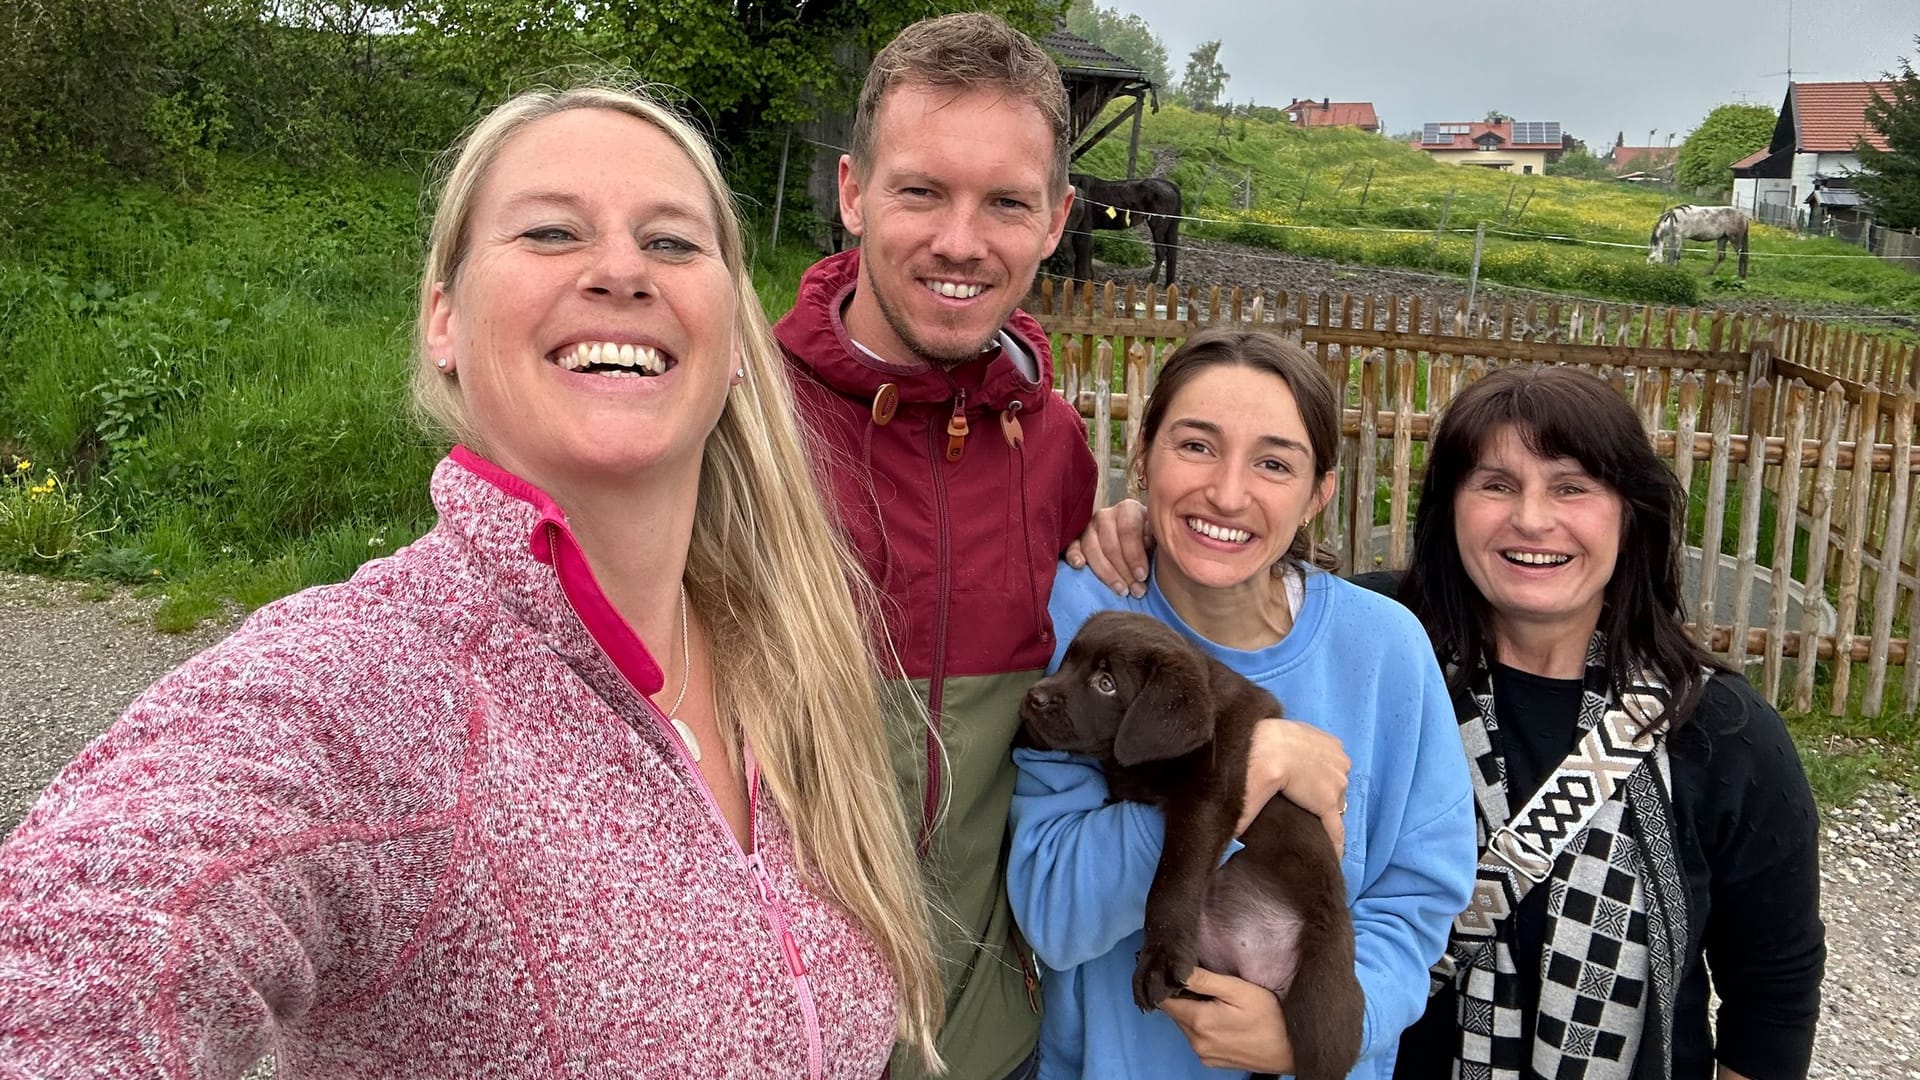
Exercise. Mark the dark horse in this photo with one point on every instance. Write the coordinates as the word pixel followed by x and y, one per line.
pixel 1122 204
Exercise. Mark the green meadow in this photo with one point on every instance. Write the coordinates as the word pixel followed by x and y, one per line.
pixel 1346 195
pixel 218 383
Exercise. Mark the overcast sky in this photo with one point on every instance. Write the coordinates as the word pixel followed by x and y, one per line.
pixel 1596 66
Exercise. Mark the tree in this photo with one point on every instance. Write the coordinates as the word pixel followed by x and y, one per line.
pixel 1891 182
pixel 1124 35
pixel 746 69
pixel 1729 133
pixel 1206 78
pixel 1495 116
pixel 1580 165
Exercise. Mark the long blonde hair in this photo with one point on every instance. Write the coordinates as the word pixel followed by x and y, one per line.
pixel 777 587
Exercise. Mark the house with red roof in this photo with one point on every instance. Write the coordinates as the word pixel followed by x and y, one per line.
pixel 1306 113
pixel 1813 155
pixel 1640 162
pixel 1516 146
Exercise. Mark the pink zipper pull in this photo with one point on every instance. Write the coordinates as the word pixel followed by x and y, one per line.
pixel 760 878
pixel 795 966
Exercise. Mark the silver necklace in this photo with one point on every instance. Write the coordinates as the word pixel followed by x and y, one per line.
pixel 686 678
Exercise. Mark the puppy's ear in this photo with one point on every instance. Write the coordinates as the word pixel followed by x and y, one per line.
pixel 1171 714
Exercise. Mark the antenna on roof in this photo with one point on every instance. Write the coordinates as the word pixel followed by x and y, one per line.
pixel 1789 73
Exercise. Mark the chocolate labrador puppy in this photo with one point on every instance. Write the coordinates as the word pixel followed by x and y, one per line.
pixel 1172 728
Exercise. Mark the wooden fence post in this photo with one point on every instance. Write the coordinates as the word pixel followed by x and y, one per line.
pixel 1136 383
pixel 1759 369
pixel 1752 472
pixel 1402 462
pixel 1786 525
pixel 1720 413
pixel 1887 594
pixel 1102 419
pixel 1833 415
pixel 1859 488
pixel 1366 454
pixel 1686 424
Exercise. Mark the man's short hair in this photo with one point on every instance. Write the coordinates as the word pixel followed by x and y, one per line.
pixel 967 50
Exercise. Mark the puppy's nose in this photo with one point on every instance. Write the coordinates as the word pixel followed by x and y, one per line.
pixel 1039 699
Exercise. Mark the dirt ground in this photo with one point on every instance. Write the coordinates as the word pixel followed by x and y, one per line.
pixel 1228 265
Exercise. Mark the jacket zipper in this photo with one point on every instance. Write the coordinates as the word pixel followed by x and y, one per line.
pixel 937 676
pixel 770 907
pixel 777 915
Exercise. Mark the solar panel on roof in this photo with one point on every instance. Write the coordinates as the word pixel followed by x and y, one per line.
pixel 1536 131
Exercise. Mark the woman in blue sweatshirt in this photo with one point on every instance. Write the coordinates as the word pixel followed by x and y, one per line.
pixel 1237 453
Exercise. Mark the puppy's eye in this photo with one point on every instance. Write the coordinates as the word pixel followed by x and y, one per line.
pixel 1103 683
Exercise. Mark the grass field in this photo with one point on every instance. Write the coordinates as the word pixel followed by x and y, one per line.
pixel 1336 193
pixel 218 382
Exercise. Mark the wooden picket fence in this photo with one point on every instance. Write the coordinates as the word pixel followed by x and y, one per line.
pixel 1757 413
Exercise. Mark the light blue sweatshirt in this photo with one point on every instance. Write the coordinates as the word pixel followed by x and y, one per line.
pixel 1356 665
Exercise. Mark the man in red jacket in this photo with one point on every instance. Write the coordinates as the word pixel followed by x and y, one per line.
pixel 956 470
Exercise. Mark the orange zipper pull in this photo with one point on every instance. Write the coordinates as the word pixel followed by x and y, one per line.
pixel 957 427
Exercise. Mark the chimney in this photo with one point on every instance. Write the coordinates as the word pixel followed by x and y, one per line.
pixel 1326 103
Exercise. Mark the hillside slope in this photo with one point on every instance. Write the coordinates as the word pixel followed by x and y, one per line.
pixel 1347 195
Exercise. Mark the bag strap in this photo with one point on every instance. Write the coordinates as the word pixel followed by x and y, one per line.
pixel 1521 853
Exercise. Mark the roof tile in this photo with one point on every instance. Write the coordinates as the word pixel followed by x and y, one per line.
pixel 1358 114
pixel 1831 117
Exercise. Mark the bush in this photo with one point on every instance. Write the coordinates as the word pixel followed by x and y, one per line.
pixel 1407 217
pixel 232 365
pixel 1121 249
pixel 40 520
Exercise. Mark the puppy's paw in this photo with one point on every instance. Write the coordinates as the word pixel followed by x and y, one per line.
pixel 1158 972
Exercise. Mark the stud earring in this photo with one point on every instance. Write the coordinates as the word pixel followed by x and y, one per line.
pixel 442 363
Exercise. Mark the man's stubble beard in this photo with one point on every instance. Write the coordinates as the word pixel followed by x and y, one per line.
pixel 903 329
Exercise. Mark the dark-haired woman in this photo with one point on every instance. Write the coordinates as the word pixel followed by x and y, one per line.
pixel 1237 453
pixel 1651 829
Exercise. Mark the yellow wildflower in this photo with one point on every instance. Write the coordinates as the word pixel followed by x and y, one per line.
pixel 23 466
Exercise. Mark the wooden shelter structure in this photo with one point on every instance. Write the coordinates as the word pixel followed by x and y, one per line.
pixel 1095 78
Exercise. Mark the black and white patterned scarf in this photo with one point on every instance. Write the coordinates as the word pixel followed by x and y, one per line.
pixel 1617 918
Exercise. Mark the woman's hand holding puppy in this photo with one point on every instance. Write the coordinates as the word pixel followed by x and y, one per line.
pixel 1240 1028
pixel 1303 763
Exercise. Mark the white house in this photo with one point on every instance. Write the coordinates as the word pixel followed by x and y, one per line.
pixel 1816 139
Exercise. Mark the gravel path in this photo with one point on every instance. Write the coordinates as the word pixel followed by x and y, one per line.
pixel 68 664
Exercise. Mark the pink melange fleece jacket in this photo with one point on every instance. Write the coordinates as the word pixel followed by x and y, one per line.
pixel 422 824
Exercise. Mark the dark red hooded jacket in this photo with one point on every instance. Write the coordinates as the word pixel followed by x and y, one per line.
pixel 961 534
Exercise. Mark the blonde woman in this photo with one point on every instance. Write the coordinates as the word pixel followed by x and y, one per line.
pixel 590 780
